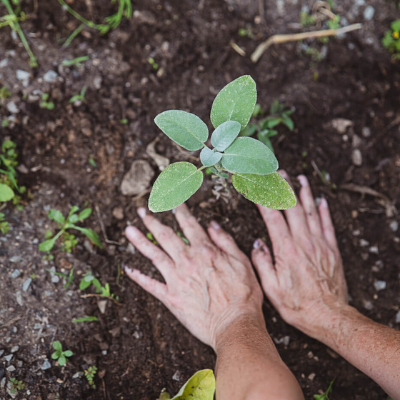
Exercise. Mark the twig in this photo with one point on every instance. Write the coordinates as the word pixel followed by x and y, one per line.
pixel 140 195
pixel 103 228
pixel 237 48
pixel 261 48
pixel 84 296
pixel 10 322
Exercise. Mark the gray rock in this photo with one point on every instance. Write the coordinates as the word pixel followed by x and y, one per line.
pixel 16 259
pixel 77 375
pixel 1 352
pixel 368 305
pixel 380 285
pixel 9 357
pixel 16 273
pixel 4 63
pixel 54 278
pixel 177 376
pixel 364 243
pixel 26 284
pixel 366 132
pixel 46 365
pixel 19 298
pixel 22 75
pixel 130 249
pixel 11 368
pixel 12 107
pixel 369 13
pixel 356 157
pixel 138 179
pixel 50 76
pixel 20 364
pixel 397 318
pixel 374 249
pixel 394 226
pixel 3 383
pixel 14 349
pixel 341 124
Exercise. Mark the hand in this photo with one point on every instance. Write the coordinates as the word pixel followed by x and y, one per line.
pixel 306 281
pixel 209 283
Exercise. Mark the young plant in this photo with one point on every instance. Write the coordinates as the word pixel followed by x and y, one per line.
pixel 76 61
pixel 266 127
pixel 153 63
pixel 88 279
pixel 4 93
pixel 69 241
pixel 69 278
pixel 15 385
pixel 391 39
pixel 252 164
pixel 49 105
pixel 79 97
pixel 85 319
pixel 90 373
pixel 324 396
pixel 4 226
pixel 59 354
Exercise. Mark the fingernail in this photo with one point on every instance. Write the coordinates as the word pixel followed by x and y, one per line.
pixel 324 202
pixel 303 180
pixel 215 225
pixel 127 269
pixel 258 243
pixel 142 212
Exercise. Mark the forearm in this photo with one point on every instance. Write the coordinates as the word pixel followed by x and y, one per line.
pixel 249 366
pixel 371 347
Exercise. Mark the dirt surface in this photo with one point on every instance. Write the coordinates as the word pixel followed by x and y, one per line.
pixel 138 346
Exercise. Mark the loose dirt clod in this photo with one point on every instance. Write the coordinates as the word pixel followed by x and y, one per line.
pixel 137 179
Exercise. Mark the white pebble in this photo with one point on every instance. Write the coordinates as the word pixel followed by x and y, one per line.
pixel 394 226
pixel 369 13
pixel 380 285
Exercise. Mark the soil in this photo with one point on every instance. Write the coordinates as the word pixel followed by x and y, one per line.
pixel 137 345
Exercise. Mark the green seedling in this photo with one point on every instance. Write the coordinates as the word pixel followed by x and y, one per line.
pixel 92 162
pixel 85 319
pixel 59 354
pixel 49 105
pixel 150 236
pixel 4 93
pixel 246 32
pixel 69 278
pixel 4 226
pixel 252 164
pixel 12 20
pixel 306 19
pixel 103 291
pixel 325 396
pixel 266 127
pixel 68 223
pixel 5 123
pixel 153 63
pixel 182 236
pixel 90 373
pixel 201 386
pixel 15 385
pixel 76 61
pixel 8 175
pixel 391 39
pixel 79 97
pixel 124 10
pixel 124 121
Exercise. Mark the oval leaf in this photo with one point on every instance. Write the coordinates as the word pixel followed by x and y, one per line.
pixel 6 193
pixel 174 186
pixel 90 234
pixel 249 156
pixel 56 215
pixel 186 129
pixel 225 134
pixel 209 158
pixel 47 245
pixel 235 102
pixel 86 213
pixel 201 386
pixel 271 190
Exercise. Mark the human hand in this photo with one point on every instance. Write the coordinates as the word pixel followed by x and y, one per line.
pixel 209 284
pixel 306 282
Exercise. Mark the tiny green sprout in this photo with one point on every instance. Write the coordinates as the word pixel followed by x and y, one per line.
pixel 90 373
pixel 33 276
pixel 85 319
pixel 79 97
pixel 250 162
pixel 69 241
pixel 76 61
pixel 59 354
pixel 325 396
pixel 69 278
pixel 4 93
pixel 153 63
pixel 4 226
pixel 182 236
pixel 49 105
pixel 15 385
pixel 124 121
pixel 92 162
pixel 245 32
pixel 306 19
pixel 88 279
pixel 391 39
pixel 5 123
pixel 150 236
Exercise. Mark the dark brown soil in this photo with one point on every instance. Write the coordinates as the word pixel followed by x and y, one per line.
pixel 139 347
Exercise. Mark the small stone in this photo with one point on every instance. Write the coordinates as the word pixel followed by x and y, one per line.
pixel 368 305
pixel 130 249
pixel 12 107
pixel 356 157
pixel 88 246
pixel 4 63
pixel 356 232
pixel 20 364
pixel 50 76
pixel 26 284
pixel 394 226
pixel 97 81
pixel 356 142
pixel 341 125
pixel 19 298
pixel 136 335
pixel 87 132
pixel 11 368
pixel 8 340
pixel 369 13
pixel 397 318
pixel 16 259
pixel 138 179
pixel 104 352
pixel 354 214
pixel 3 383
pixel 380 285
pixel 14 329
pixel 311 376
pixel 118 213
pixel 9 357
pixel 22 75
pixel 77 375
pixel 374 249
pixel 102 305
pixel 14 349
pixel 1 352
pixel 54 278
pixel 366 132
pixel 46 365
pixel 16 273
pixel 177 376
pixel 364 243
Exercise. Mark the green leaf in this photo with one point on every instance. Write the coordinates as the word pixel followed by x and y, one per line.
pixel 287 121
pixel 270 122
pixel 73 219
pixel 86 213
pixel 55 355
pixel 86 281
pixel 68 353
pixel 85 319
pixel 92 235
pixel 6 193
pixel 271 190
pixel 57 345
pixel 395 25
pixel 249 130
pixel 201 386
pixel 265 138
pixel 57 216
pixel 209 157
pixel 186 129
pixel 62 361
pixel 225 134
pixel 174 186
pixel 249 156
pixel 235 102
pixel 47 245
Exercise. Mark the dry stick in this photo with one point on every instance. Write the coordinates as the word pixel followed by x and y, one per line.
pixel 261 48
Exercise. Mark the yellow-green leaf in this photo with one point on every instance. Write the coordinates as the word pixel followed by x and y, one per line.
pixel 6 193
pixel 201 386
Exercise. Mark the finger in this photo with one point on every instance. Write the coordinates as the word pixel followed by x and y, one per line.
pixel 162 262
pixel 190 227
pixel 154 287
pixel 262 261
pixel 224 241
pixel 310 210
pixel 295 216
pixel 164 235
pixel 327 225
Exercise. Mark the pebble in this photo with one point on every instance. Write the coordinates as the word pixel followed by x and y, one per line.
pixel 137 179
pixel 130 249
pixel 19 298
pixel 77 375
pixel 3 382
pixel 369 13
pixel 50 76
pixel 4 63
pixel 380 285
pixel 9 357
pixel 14 349
pixel 374 249
pixel 364 243
pixel 356 157
pixel 22 75
pixel 16 273
pixel 12 107
pixel 88 246
pixel 366 132
pixel 1 352
pixel 46 365
pixel 8 340
pixel 11 368
pixel 311 376
pixel 97 81
pixel 26 284
pixel 16 259
pixel 118 213
pixel 368 305
pixel 394 226
pixel 177 376
pixel 20 363
pixel 341 124
pixel 54 278
pixel 398 318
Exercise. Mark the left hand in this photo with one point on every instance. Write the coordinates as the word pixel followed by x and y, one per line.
pixel 209 283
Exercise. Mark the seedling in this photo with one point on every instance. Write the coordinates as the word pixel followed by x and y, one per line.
pixel 124 121
pixel 4 226
pixel 85 319
pixel 306 19
pixel 153 63
pixel 69 278
pixel 92 162
pixel 4 93
pixel 246 32
pixel 49 105
pixel 266 127
pixel 90 373
pixel 150 236
pixel 76 61
pixel 324 396
pixel 391 39
pixel 59 354
pixel 15 385
pixel 252 164
pixel 79 97
pixel 103 291
pixel 69 241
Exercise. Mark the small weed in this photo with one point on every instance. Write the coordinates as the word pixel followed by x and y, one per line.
pixel 150 236
pixel 265 128
pixel 391 39
pixel 306 19
pixel 69 278
pixel 69 241
pixel 246 32
pixel 103 291
pixel 124 10
pixel 124 121
pixel 182 236
pixel 59 354
pixel 85 319
pixel 90 373
pixel 5 122
pixel 153 63
pixel 324 396
pixel 4 93
pixel 79 97
pixel 92 162
pixel 4 226
pixel 76 61
pixel 15 385
pixel 33 276
pixel 49 105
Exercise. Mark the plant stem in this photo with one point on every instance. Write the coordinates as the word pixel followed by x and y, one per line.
pixel 73 35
